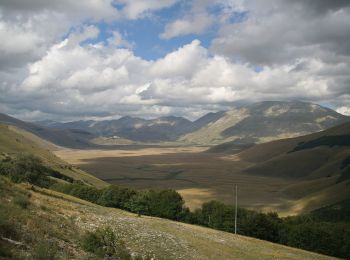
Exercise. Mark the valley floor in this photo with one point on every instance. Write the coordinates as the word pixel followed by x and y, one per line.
pixel 197 175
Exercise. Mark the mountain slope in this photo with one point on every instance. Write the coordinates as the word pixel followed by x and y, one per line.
pixel 62 137
pixel 62 220
pixel 266 121
pixel 256 123
pixel 135 129
pixel 321 169
pixel 14 141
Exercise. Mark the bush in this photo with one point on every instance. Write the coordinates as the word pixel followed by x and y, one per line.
pixel 28 168
pixel 104 243
pixel 45 250
pixel 22 201
pixel 7 230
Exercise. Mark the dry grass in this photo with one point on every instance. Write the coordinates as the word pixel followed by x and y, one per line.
pixel 198 176
pixel 160 238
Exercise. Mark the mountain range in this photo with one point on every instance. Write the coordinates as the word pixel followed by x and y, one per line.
pixel 244 125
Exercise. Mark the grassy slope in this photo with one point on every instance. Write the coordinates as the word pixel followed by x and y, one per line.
pixel 317 170
pixel 212 132
pixel 63 219
pixel 14 141
pixel 72 138
pixel 265 121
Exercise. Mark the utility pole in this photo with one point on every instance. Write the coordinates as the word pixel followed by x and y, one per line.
pixel 236 209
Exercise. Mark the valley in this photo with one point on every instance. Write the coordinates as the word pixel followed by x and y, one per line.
pixel 197 175
pixel 289 176
pixel 293 176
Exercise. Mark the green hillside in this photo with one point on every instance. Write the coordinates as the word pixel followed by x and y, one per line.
pixel 47 224
pixel 316 163
pixel 14 141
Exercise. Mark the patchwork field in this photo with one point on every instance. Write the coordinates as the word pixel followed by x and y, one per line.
pixel 197 175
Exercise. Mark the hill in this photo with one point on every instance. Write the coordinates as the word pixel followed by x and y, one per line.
pixel 266 121
pixel 14 141
pixel 71 138
pixel 50 224
pixel 317 164
pixel 131 128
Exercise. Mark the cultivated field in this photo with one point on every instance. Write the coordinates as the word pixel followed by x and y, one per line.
pixel 197 175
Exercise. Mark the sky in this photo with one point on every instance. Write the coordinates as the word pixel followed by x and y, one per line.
pixel 69 60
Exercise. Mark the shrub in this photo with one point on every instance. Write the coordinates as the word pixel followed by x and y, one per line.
pixel 104 243
pixel 45 250
pixel 7 230
pixel 28 168
pixel 22 201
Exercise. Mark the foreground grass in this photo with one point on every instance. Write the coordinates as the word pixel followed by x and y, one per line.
pixel 43 219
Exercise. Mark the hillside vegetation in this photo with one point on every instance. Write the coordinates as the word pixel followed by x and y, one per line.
pixel 14 141
pixel 47 224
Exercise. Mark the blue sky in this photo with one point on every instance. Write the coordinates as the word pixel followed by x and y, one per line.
pixel 144 33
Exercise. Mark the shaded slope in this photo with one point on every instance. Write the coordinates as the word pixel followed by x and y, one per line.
pixel 136 129
pixel 320 172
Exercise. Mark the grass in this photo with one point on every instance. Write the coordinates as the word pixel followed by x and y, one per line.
pixel 14 141
pixel 57 231
pixel 198 176
pixel 330 141
pixel 22 201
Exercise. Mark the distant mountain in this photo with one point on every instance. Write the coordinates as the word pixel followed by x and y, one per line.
pixel 265 121
pixel 137 129
pixel 256 123
pixel 72 138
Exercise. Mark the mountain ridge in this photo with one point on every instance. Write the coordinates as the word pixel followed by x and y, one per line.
pixel 249 124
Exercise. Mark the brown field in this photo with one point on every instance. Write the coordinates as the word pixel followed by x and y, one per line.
pixel 197 175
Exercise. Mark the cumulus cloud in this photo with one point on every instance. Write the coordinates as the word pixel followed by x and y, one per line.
pixel 287 30
pixel 54 65
pixel 344 110
pixel 92 80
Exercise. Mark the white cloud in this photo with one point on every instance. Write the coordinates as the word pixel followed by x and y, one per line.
pixel 194 24
pixel 46 71
pixel 180 63
pixel 344 110
pixel 134 9
pixel 90 81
